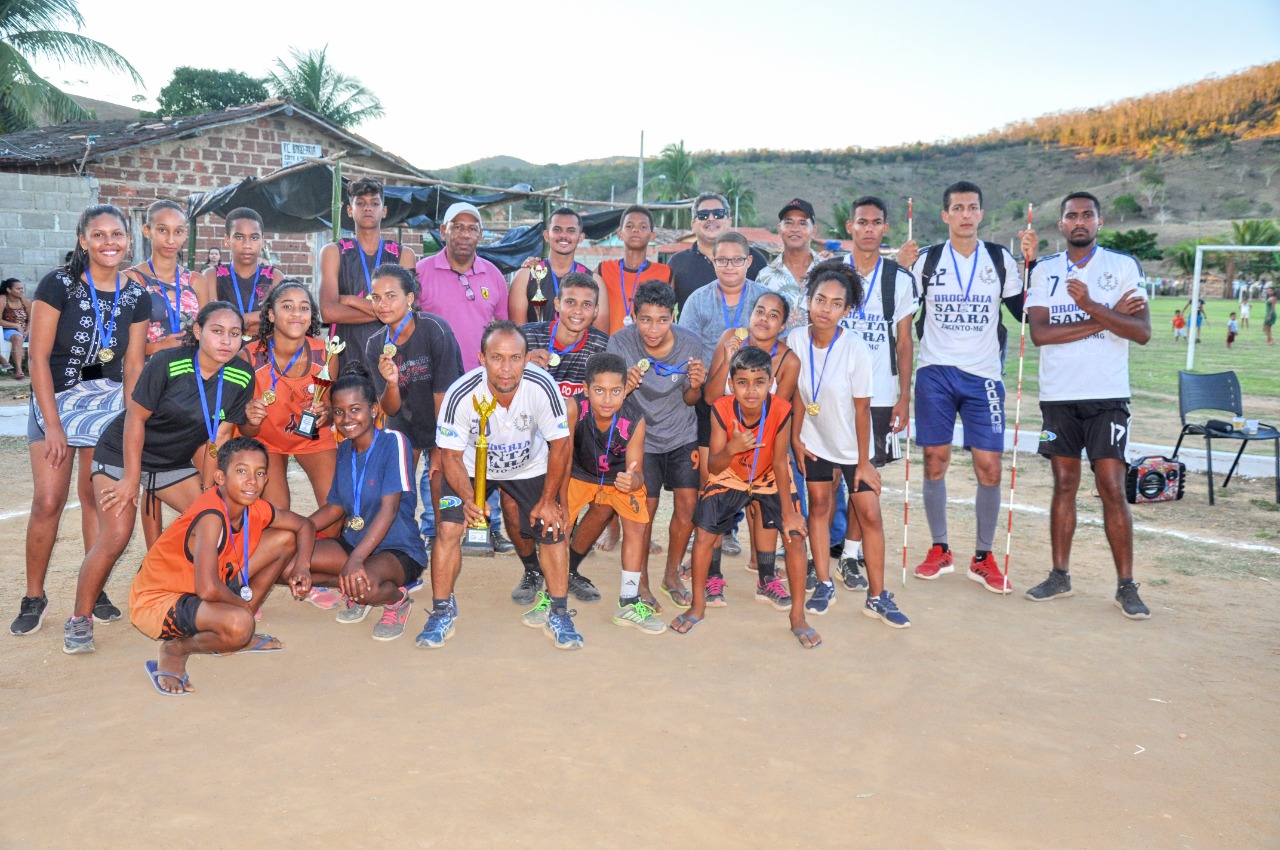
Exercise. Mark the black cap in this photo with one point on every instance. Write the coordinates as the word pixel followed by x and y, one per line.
pixel 797 204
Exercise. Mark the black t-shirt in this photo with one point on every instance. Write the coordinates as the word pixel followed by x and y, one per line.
pixel 429 362
pixel 571 373
pixel 590 458
pixel 76 341
pixel 176 428
pixel 692 269
pixel 353 281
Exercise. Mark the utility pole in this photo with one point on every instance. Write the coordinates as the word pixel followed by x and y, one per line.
pixel 640 173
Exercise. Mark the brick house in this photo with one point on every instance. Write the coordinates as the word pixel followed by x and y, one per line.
pixel 131 163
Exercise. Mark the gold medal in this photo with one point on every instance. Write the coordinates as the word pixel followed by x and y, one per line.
pixel 643 365
pixel 389 350
pixel 813 408
pixel 741 334
pixel 106 355
pixel 269 397
pixel 555 360
pixel 356 523
pixel 213 450
pixel 247 337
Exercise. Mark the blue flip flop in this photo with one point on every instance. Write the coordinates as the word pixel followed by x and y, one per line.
pixel 682 619
pixel 154 673
pixel 672 594
pixel 809 633
pixel 259 646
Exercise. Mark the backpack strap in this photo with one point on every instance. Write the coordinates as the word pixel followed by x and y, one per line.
pixel 932 255
pixel 889 277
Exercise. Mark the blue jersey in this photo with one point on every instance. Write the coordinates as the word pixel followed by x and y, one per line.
pixel 387 468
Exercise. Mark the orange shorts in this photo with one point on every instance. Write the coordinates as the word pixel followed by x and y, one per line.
pixel 627 505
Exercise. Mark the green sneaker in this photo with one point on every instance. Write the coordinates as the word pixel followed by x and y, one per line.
pixel 536 617
pixel 640 616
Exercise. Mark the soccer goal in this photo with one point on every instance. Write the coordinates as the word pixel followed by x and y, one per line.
pixel 1195 284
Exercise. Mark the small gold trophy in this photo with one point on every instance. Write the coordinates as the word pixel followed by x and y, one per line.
pixel 478 532
pixel 307 421
pixel 538 272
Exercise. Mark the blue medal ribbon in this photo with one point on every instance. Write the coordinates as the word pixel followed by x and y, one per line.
pixel 622 273
pixel 724 307
pixel 395 336
pixel 231 542
pixel 1072 268
pixel 276 373
pixel 210 423
pixel 816 383
pixel 956 265
pixel 875 276
pixel 253 292
pixel 764 414
pixel 357 478
pixel 551 343
pixel 105 331
pixel 174 310
pixel 368 274
pixel 607 446
pixel 664 370
pixel 555 280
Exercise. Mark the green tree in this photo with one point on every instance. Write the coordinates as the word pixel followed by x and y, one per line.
pixel 1152 174
pixel 194 91
pixel 467 174
pixel 1183 255
pixel 742 201
pixel 1255 232
pixel 1236 207
pixel 316 85
pixel 681 172
pixel 1125 206
pixel 841 212
pixel 1138 243
pixel 1016 210
pixel 30 30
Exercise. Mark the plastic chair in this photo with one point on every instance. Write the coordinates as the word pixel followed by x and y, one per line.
pixel 1219 391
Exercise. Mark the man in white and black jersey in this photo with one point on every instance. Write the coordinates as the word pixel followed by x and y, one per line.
pixel 963 282
pixel 529 457
pixel 1086 305
pixel 883 321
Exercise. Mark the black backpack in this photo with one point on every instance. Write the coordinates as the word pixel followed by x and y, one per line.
pixel 932 255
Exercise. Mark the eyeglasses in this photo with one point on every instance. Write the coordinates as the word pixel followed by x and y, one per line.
pixel 717 214
pixel 462 279
pixel 736 262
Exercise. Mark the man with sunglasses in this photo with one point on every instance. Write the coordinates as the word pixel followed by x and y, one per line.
pixel 470 292
pixel 693 269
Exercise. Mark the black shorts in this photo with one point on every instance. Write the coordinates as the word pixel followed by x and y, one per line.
pixel 673 470
pixel 719 506
pixel 821 470
pixel 1098 428
pixel 181 619
pixel 702 412
pixel 884 440
pixel 525 492
pixel 412 569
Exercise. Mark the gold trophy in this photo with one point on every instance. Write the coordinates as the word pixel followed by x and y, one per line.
pixel 478 532
pixel 538 272
pixel 307 422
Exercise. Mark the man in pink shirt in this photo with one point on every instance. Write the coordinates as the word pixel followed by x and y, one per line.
pixel 466 289
pixel 468 292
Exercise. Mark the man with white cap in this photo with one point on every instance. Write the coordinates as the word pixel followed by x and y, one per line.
pixel 470 292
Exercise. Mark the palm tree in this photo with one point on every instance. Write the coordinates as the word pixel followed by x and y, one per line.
pixel 841 212
pixel 316 85
pixel 742 201
pixel 676 165
pixel 1258 232
pixel 29 29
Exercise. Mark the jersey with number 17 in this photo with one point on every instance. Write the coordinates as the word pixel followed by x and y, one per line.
pixel 1096 367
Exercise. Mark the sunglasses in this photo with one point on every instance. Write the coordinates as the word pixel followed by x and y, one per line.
pixel 471 294
pixel 717 214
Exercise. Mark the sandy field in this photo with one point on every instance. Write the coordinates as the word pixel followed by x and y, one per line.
pixel 993 722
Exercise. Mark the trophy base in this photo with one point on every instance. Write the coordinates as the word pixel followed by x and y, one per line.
pixel 478 537
pixel 307 426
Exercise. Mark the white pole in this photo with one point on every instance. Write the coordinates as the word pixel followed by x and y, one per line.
pixel 640 173
pixel 1194 310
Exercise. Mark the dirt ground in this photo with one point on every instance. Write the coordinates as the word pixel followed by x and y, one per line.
pixel 993 722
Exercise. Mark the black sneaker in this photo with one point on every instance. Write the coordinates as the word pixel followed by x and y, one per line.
pixel 1129 604
pixel 811 577
pixel 1057 584
pixel 730 546
pixel 104 611
pixel 77 635
pixel 30 615
pixel 501 545
pixel 851 571
pixel 582 588
pixel 527 590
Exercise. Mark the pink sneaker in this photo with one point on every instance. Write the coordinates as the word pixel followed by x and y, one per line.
pixel 774 593
pixel 324 598
pixel 715 592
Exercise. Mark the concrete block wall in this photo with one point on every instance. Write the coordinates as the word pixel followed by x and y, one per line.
pixel 38 215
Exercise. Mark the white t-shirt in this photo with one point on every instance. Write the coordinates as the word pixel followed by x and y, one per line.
pixel 961 319
pixel 868 323
pixel 833 433
pixel 1096 367
pixel 518 435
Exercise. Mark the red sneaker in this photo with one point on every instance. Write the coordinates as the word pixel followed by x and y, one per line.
pixel 936 563
pixel 986 573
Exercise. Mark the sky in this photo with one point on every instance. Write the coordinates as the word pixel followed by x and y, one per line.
pixel 571 80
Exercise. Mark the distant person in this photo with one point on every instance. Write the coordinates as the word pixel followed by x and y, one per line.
pixel 1245 307
pixel 15 317
pixel 692 269
pixel 212 258
pixel 1179 326
pixel 1233 328
pixel 1269 320
pixel 563 234
pixel 1086 305
pixel 1199 315
pixel 619 279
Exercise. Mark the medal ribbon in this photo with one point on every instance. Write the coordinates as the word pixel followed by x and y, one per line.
pixel 231 541
pixel 956 265
pixel 724 307
pixel 664 370
pixel 816 383
pixel 1072 268
pixel 622 273
pixel 276 374
pixel 607 446
pixel 555 280
pixel 175 311
pixel 875 276
pixel 210 424
pixel 764 414
pixel 105 331
pixel 577 346
pixel 395 336
pixel 357 479
pixel 235 287
pixel 368 275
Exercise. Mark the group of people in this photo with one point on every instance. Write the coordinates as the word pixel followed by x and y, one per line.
pixel 764 394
